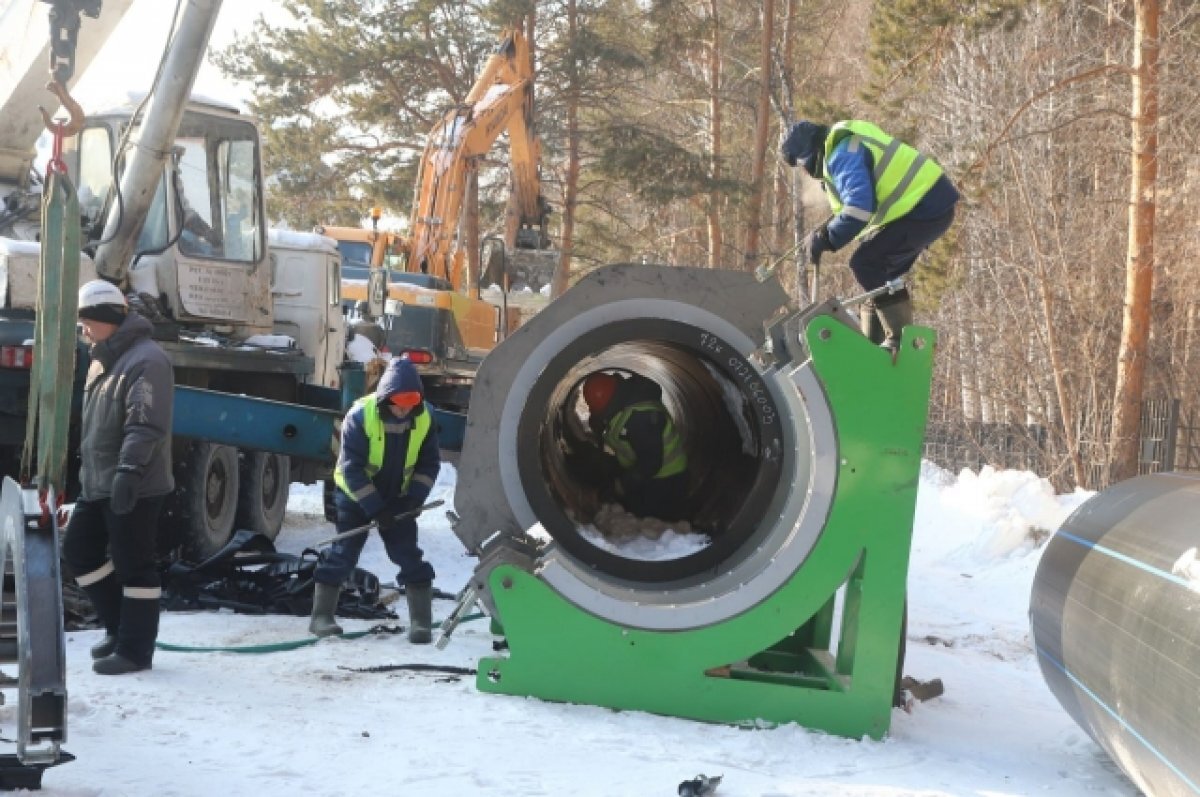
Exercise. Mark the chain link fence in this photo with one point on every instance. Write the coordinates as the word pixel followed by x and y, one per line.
pixel 1170 440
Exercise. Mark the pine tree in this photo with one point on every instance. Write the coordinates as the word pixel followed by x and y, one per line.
pixel 348 93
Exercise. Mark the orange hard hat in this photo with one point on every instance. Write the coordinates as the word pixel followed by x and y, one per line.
pixel 598 390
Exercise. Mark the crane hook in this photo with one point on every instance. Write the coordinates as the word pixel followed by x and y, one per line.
pixel 61 130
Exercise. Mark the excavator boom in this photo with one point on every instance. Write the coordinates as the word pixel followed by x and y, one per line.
pixel 500 101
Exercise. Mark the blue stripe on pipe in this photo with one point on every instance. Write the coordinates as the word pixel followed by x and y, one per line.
pixel 1129 560
pixel 1132 731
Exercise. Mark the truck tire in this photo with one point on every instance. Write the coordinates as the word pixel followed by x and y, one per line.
pixel 210 497
pixel 263 494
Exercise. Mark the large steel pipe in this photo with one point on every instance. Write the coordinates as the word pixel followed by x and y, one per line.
pixel 1115 613
pixel 755 432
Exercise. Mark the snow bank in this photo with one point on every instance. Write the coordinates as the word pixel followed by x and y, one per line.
pixel 980 517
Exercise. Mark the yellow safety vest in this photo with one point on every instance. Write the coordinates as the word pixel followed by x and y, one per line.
pixel 674 460
pixel 901 177
pixel 373 427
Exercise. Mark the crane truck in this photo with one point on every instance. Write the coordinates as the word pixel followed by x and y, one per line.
pixel 435 311
pixel 251 321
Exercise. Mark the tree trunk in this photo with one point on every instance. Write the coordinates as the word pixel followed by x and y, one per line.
pixel 783 209
pixel 754 206
pixel 1139 274
pixel 716 239
pixel 571 190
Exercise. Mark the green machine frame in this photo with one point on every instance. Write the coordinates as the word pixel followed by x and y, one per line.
pixel 776 662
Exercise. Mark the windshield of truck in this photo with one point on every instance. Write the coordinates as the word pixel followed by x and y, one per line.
pixel 94 171
pixel 360 272
pixel 217 189
pixel 355 253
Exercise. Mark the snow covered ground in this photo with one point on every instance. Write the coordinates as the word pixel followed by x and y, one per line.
pixel 303 723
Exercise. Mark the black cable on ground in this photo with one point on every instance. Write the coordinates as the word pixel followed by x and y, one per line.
pixel 276 647
pixel 446 668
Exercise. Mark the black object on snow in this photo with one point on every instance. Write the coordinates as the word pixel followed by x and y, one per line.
pixel 699 786
pixel 14 774
pixel 249 576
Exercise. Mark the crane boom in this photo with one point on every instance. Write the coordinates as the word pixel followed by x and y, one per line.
pixel 155 136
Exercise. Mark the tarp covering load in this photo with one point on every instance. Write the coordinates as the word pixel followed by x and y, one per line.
pixel 250 577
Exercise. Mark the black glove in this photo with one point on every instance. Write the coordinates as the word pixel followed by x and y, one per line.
pixel 416 497
pixel 816 244
pixel 124 491
pixel 386 517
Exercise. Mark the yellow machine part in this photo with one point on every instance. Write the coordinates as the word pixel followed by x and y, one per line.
pixel 476 321
pixel 476 318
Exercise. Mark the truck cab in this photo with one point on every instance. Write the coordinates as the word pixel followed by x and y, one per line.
pixel 237 313
pixel 201 254
pixel 306 288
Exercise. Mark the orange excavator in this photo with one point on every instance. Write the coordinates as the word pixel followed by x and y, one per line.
pixel 428 302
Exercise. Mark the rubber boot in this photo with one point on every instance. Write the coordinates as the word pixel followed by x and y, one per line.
pixel 105 596
pixel 868 322
pixel 135 638
pixel 325 600
pixel 105 647
pixel 420 612
pixel 116 664
pixel 895 313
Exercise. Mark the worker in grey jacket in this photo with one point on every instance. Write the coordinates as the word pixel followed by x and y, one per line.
pixel 125 475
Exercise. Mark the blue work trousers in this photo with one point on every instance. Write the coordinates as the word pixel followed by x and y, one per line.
pixel 891 250
pixel 400 542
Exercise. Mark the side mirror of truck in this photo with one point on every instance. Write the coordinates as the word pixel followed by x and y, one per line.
pixel 376 292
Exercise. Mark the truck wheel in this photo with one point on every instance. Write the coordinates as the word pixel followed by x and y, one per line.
pixel 211 499
pixel 263 496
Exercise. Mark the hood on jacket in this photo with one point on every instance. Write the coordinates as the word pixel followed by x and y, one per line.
pixel 805 145
pixel 400 376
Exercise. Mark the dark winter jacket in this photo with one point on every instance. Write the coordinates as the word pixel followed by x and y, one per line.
pixel 643 431
pixel 386 487
pixel 127 404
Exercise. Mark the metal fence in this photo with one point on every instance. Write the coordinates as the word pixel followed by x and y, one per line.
pixel 1170 436
pixel 954 445
pixel 1169 440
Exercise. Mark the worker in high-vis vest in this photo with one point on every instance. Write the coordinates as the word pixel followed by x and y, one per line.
pixel 636 431
pixel 884 193
pixel 387 465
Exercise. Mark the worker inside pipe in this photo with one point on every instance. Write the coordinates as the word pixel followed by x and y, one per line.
pixel 639 454
pixel 732 464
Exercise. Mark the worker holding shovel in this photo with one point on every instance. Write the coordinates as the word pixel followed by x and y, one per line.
pixel 386 467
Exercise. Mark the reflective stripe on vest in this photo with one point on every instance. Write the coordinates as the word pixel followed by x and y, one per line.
pixel 373 427
pixel 674 460
pixel 901 176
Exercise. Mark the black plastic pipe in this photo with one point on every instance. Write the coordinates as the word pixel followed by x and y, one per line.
pixel 1115 613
